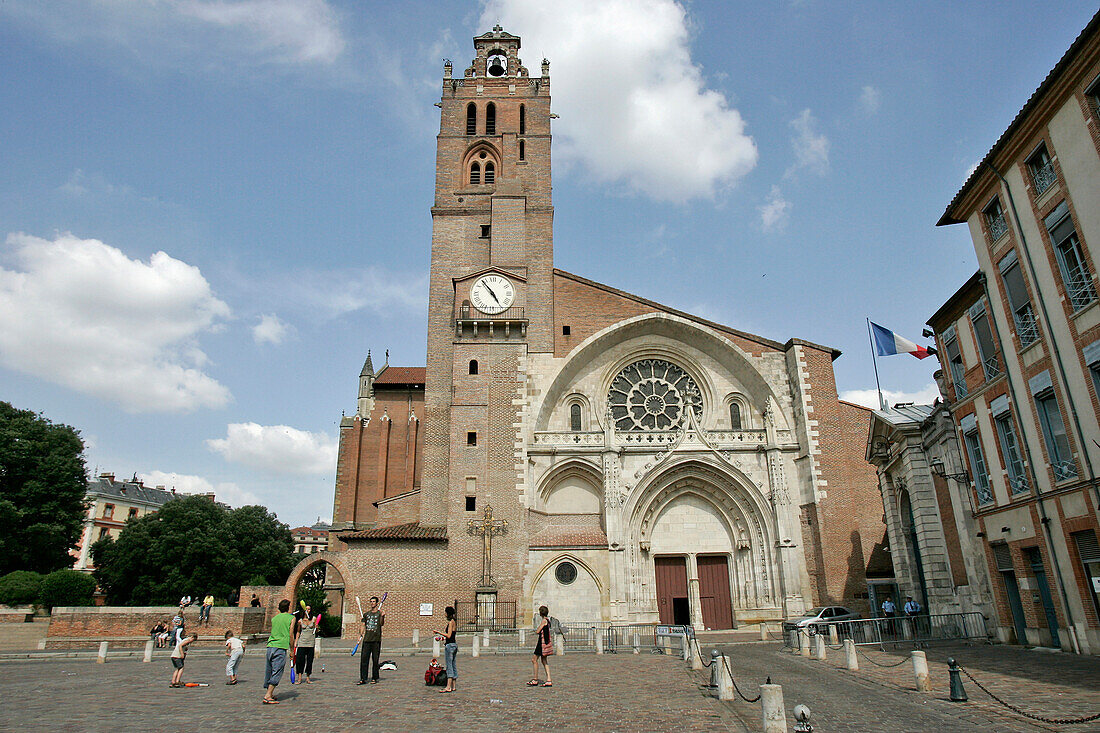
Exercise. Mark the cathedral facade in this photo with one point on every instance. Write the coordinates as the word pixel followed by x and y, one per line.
pixel 574 445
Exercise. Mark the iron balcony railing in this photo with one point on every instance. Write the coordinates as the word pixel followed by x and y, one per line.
pixel 1044 177
pixel 897 630
pixel 997 226
pixel 959 379
pixel 468 313
pixel 1079 288
pixel 1064 470
pixel 1026 327
pixel 1018 483
pixel 992 368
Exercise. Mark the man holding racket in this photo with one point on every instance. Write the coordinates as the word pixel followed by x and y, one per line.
pixel 371 643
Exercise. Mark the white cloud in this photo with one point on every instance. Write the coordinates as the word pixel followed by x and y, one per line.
pixel 194 32
pixel 634 107
pixel 870 99
pixel 775 211
pixel 869 397
pixel 270 330
pixel 226 491
pixel 277 449
pixel 346 291
pixel 82 314
pixel 811 148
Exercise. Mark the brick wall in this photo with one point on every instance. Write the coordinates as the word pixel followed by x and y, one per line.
pixel 123 621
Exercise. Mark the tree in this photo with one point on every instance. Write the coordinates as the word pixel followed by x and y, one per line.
pixel 42 485
pixel 67 587
pixel 192 546
pixel 19 588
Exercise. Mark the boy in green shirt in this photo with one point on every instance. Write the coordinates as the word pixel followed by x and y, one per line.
pixel 278 646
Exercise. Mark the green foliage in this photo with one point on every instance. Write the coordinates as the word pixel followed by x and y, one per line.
pixel 19 588
pixel 316 598
pixel 67 588
pixel 42 487
pixel 192 546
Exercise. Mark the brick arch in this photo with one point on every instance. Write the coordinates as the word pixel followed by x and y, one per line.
pixel 334 559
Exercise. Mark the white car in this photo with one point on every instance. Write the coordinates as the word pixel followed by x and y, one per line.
pixel 820 616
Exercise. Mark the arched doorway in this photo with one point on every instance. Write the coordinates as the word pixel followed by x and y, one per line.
pixel 319 580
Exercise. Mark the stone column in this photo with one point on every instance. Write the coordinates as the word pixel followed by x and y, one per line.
pixel 695 598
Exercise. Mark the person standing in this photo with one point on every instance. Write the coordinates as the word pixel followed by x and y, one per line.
pixel 450 649
pixel 889 610
pixel 278 646
pixel 234 649
pixel 179 653
pixel 544 648
pixel 371 643
pixel 255 603
pixel 304 643
pixel 912 608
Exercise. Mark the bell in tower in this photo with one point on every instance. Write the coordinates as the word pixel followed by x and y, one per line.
pixel 498 64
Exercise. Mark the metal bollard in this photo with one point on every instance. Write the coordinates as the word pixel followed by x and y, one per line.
pixel 148 651
pixel 416 638
pixel 435 647
pixel 850 655
pixel 725 682
pixel 102 658
pixel 802 719
pixel 804 643
pixel 485 638
pixel 771 706
pixel 475 649
pixel 819 648
pixel 599 643
pixel 637 643
pixel 715 664
pixel 920 671
pixel 958 694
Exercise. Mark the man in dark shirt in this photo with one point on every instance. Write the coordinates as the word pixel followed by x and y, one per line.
pixel 255 601
pixel 371 644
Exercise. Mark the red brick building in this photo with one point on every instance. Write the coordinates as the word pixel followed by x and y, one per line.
pixel 633 462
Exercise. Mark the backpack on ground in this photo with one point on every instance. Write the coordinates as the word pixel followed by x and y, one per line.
pixel 435 674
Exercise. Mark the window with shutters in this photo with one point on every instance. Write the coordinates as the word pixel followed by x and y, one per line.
pixel 1023 315
pixel 978 467
pixel 1071 260
pixel 983 334
pixel 491 119
pixel 955 363
pixel 1041 168
pixel 995 219
pixel 1054 435
pixel 490 172
pixel 1010 449
pixel 475 173
pixel 1088 550
pixel 471 119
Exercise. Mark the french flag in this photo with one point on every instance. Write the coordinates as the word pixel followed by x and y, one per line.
pixel 888 343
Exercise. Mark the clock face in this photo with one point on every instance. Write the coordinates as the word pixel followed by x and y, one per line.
pixel 492 294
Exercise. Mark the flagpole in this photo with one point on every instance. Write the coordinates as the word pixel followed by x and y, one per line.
pixel 874 360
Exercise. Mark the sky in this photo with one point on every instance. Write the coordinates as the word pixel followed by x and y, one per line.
pixel 211 209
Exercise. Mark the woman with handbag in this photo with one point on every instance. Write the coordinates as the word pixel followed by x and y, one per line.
pixel 450 649
pixel 544 648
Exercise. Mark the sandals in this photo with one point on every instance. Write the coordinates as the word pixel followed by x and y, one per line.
pixel 270 702
pixel 548 683
pixel 533 683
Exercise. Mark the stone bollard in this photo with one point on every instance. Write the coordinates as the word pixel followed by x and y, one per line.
pixel 637 643
pixel 819 648
pixel 792 640
pixel 435 647
pixel 317 648
pixel 958 694
pixel 763 631
pixel 850 655
pixel 599 643
pixel 696 657
pixel 725 682
pixel 102 653
pixel 920 671
pixel 485 638
pixel 148 657
pixel 41 644
pixel 522 637
pixel 559 645
pixel 834 637
pixel 416 638
pixel 772 710
pixel 475 649
pixel 804 643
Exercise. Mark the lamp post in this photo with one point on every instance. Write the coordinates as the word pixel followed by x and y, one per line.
pixel 940 470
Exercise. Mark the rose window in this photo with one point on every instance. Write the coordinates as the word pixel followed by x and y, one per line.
pixel 651 394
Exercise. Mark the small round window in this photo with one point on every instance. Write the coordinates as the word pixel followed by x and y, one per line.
pixel 566 573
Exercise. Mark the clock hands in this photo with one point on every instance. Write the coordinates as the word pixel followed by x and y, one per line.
pixel 491 292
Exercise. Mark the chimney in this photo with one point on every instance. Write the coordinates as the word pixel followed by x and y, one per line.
pixel 160 487
pixel 107 476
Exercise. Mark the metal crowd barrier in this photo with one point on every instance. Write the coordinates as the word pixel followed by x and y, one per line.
pixel 896 630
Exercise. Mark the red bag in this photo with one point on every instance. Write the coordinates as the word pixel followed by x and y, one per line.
pixel 547 648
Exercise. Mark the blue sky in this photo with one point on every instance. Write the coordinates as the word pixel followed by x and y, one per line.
pixel 211 209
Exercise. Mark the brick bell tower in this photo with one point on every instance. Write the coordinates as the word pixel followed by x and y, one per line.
pixel 490 300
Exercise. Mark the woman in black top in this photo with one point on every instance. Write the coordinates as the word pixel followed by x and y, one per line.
pixel 543 648
pixel 450 649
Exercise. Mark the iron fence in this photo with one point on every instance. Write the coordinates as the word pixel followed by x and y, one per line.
pixel 920 629
pixel 496 616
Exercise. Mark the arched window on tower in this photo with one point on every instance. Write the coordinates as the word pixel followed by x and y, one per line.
pixel 473 366
pixel 735 416
pixel 522 150
pixel 491 119
pixel 475 173
pixel 522 120
pixel 490 172
pixel 471 119
pixel 575 418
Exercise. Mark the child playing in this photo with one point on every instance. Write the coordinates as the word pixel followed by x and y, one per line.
pixel 234 649
pixel 178 655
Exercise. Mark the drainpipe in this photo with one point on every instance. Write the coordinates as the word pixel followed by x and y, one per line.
pixel 1044 519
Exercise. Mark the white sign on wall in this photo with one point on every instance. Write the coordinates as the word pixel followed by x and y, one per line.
pixel 425 609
